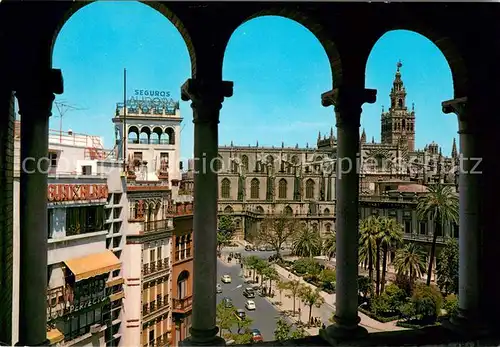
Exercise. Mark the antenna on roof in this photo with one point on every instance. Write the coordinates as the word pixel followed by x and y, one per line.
pixel 62 108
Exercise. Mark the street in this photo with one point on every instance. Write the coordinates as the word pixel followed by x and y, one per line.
pixel 264 317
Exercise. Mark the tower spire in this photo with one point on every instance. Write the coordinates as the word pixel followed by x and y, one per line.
pixel 454 153
pixel 363 136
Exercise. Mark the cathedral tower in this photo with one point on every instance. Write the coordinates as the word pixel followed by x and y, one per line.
pixel 398 124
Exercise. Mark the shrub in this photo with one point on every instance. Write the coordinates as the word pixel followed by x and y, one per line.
pixel 365 285
pixel 451 305
pixel 428 302
pixel 328 275
pixel 306 266
pixel 395 297
pixel 407 310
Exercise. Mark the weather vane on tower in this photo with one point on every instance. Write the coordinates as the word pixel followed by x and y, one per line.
pixel 399 64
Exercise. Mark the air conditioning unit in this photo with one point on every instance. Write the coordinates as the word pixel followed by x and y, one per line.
pixel 95 329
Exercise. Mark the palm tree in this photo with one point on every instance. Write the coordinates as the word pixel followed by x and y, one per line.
pixel 439 204
pixel 306 243
pixel 330 245
pixel 410 261
pixel 391 234
pixel 310 297
pixel 368 234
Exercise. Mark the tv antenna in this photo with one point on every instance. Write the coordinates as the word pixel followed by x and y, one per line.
pixel 62 108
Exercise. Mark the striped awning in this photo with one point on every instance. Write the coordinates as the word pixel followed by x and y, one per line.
pixel 93 265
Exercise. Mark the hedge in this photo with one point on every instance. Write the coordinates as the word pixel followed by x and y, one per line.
pixel 376 317
pixel 407 325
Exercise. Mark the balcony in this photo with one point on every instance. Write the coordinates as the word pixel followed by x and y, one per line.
pixel 156 267
pixel 155 226
pixel 182 305
pixel 155 308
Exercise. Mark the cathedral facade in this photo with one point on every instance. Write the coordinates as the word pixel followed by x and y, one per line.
pixel 255 180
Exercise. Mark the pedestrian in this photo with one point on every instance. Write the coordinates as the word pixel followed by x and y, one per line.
pixel 323 326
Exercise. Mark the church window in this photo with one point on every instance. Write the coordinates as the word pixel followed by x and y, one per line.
pixel 404 124
pixel 254 189
pixel 400 103
pixel 288 211
pixel 244 162
pixel 282 188
pixel 310 189
pixel 218 164
pixel 225 188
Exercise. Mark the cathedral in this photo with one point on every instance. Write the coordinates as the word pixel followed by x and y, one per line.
pixel 256 180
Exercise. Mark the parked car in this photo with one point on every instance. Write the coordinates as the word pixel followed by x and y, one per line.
pixel 262 248
pixel 241 314
pixel 249 293
pixel 249 248
pixel 226 278
pixel 256 335
pixel 228 302
pixel 218 288
pixel 275 257
pixel 250 305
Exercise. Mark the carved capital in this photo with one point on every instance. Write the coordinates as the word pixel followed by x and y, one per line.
pixel 459 107
pixel 206 96
pixel 347 102
pixel 36 93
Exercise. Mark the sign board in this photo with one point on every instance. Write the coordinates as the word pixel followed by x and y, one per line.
pixel 76 192
pixel 146 99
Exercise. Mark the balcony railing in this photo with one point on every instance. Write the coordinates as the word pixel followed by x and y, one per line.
pixel 155 305
pixel 156 225
pixel 183 304
pixel 156 266
pixel 424 237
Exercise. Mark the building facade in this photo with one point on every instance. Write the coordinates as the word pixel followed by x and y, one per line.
pixel 85 232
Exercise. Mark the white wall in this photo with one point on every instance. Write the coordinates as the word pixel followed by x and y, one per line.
pixel 132 308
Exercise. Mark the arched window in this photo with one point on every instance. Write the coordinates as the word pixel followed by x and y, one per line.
pixel 259 209
pixel 282 188
pixel 254 189
pixel 244 162
pixel 326 212
pixel 225 188
pixel 218 164
pixel 228 209
pixel 182 280
pixel 328 228
pixel 288 211
pixel 310 189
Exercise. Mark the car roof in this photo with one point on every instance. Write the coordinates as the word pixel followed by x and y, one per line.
pixel 248 288
pixel 256 331
pixel 240 310
pixel 251 301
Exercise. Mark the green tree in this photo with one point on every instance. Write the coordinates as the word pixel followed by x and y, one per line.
pixel 226 223
pixel 447 267
pixel 368 236
pixel 281 286
pixel 226 317
pixel 391 235
pixel 306 243
pixel 276 229
pixel 330 245
pixel 293 288
pixel 223 239
pixel 252 263
pixel 270 274
pixel 428 302
pixel 439 204
pixel 410 261
pixel 282 330
pixel 365 286
pixel 451 305
pixel 311 297
pixel 298 333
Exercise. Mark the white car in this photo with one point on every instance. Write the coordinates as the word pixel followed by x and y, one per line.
pixel 250 305
pixel 226 279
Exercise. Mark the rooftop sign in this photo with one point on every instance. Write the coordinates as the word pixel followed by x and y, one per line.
pixel 150 99
pixel 76 192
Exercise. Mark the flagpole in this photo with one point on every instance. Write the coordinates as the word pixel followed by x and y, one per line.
pixel 124 137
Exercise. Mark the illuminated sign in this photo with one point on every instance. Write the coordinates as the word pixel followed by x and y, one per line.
pixel 76 192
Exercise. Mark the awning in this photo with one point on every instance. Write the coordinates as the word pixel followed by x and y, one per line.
pixel 54 336
pixel 93 265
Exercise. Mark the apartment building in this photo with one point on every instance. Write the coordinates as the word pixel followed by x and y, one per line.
pixel 85 238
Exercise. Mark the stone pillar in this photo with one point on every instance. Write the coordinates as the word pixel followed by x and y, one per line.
pixel 468 318
pixel 35 98
pixel 348 110
pixel 206 98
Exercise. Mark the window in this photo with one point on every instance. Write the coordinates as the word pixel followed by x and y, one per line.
pixel 50 213
pixel 282 188
pixel 86 170
pixel 116 198
pixel 151 255
pixel 326 212
pixel 138 155
pixel 310 189
pixel 53 159
pixel 158 253
pixel 408 227
pixel 254 189
pixel 218 164
pixel 244 162
pixel 163 161
pixel 423 228
pixel 80 220
pixel 328 228
pixel 225 188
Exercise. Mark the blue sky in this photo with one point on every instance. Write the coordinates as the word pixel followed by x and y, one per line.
pixel 278 67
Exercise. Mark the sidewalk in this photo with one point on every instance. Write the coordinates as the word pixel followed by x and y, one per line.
pixel 327 309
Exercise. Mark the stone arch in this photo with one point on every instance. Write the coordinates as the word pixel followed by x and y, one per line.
pixel 156 136
pixel 225 190
pixel 255 188
pixel 306 20
pixel 228 209
pixel 445 44
pixel 259 209
pixel 288 210
pixel 170 132
pixel 177 22
pixel 133 134
pixel 144 135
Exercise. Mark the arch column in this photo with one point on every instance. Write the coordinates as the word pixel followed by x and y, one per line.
pixel 468 318
pixel 206 100
pixel 347 103
pixel 35 96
